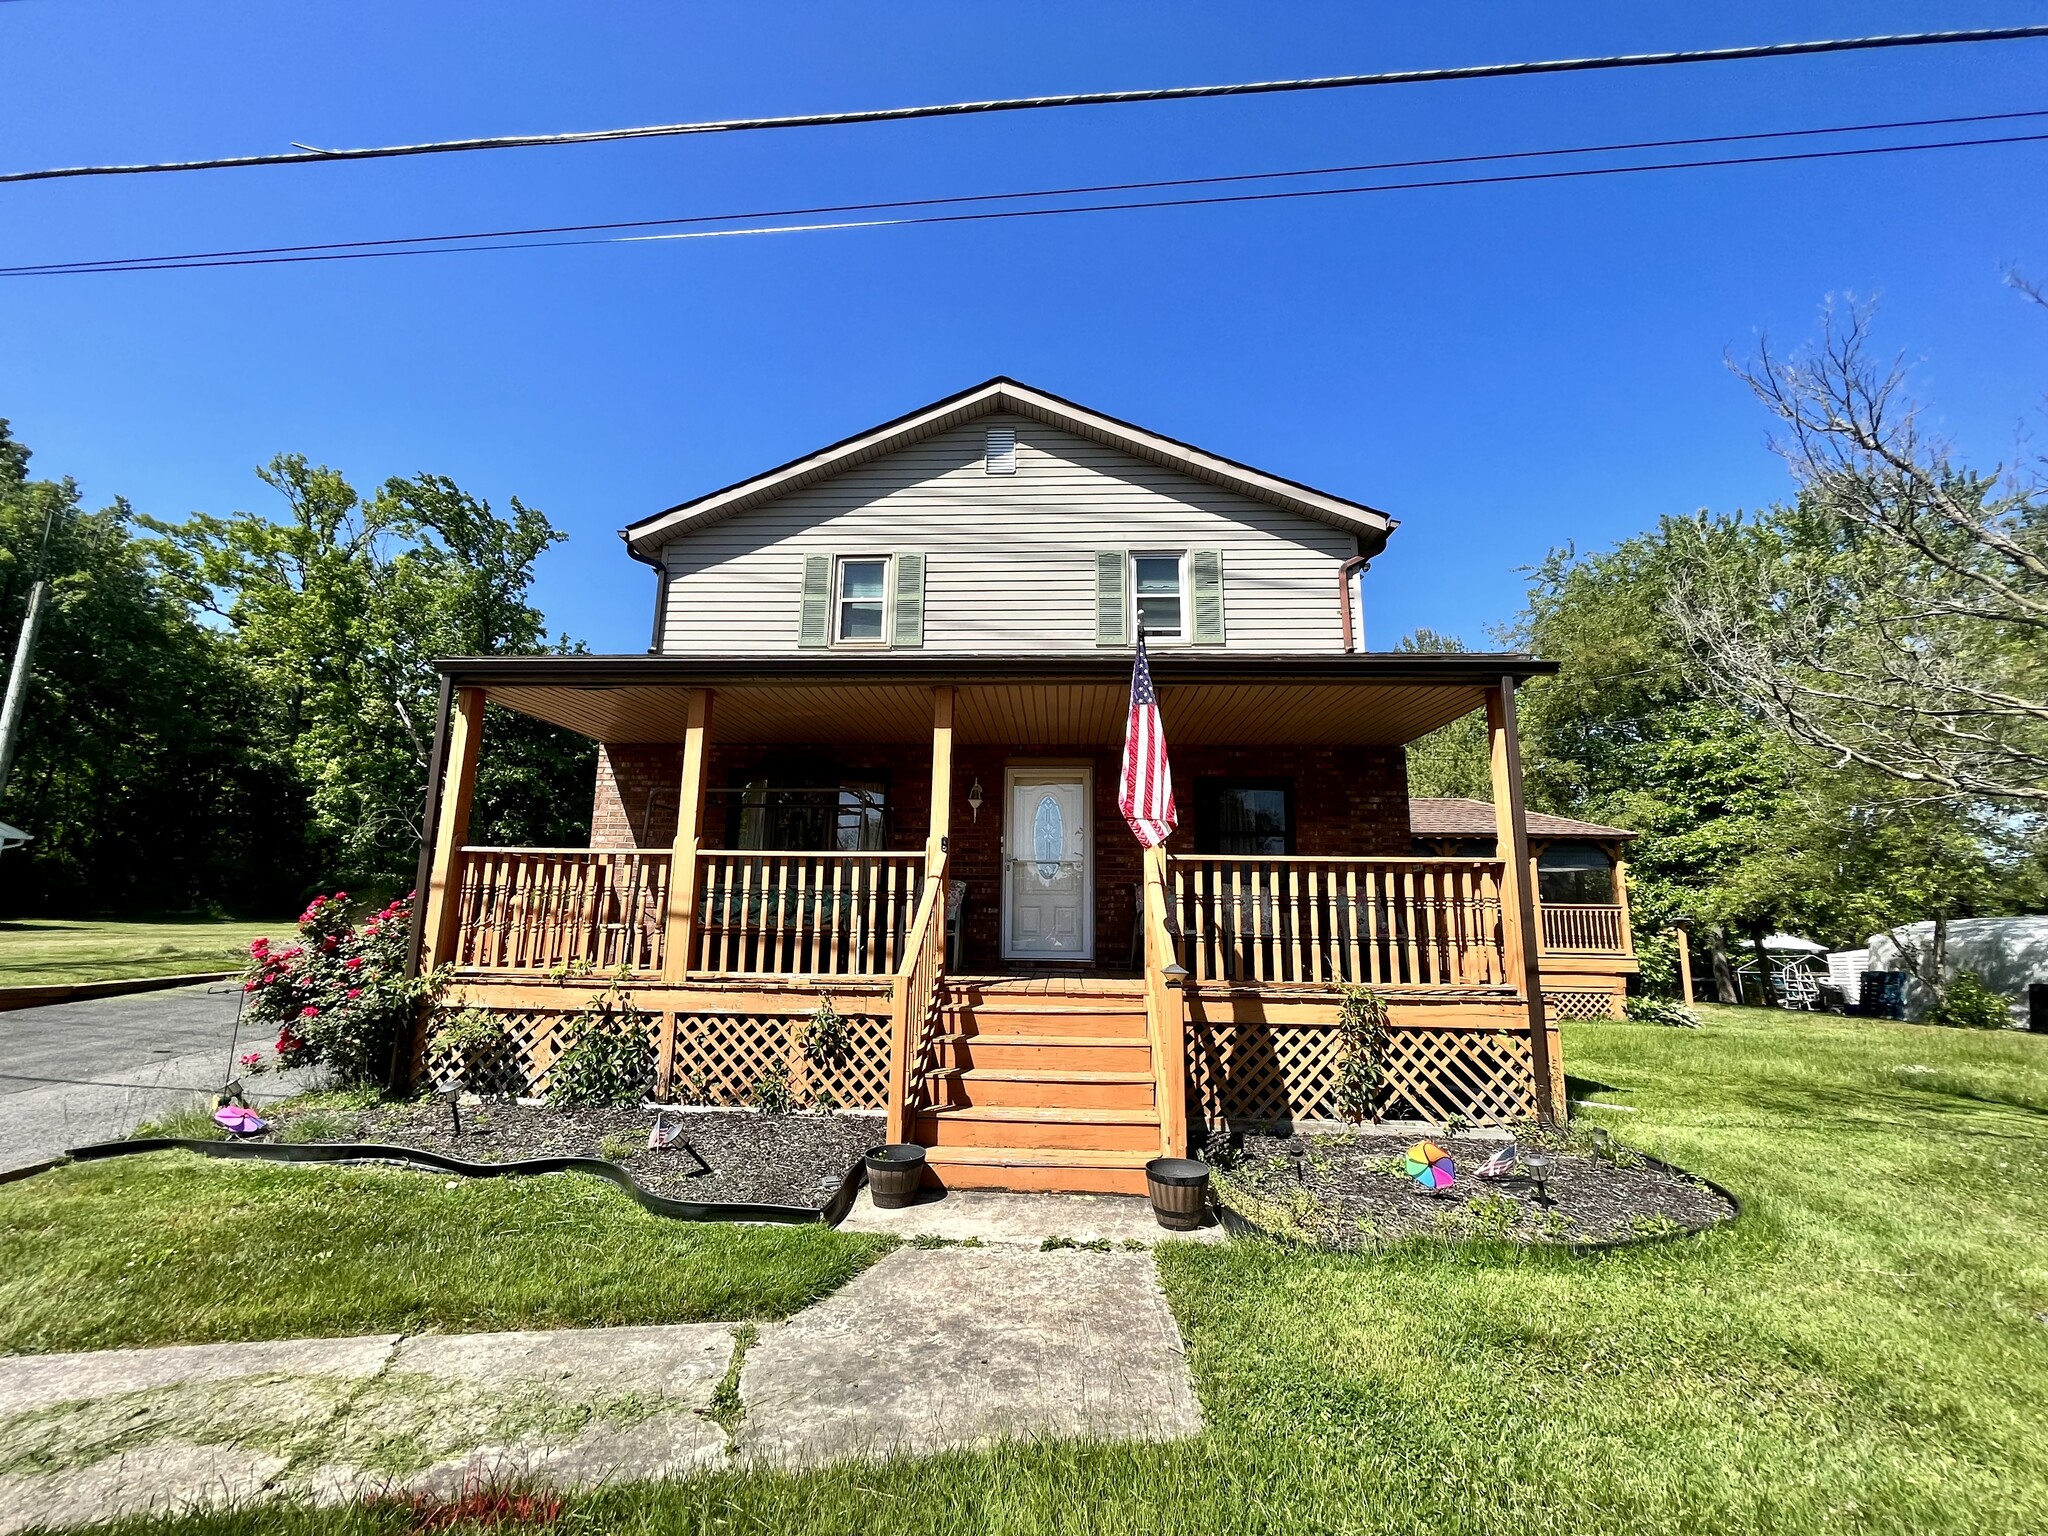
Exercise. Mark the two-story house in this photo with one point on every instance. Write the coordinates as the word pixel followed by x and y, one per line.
pixel 872 754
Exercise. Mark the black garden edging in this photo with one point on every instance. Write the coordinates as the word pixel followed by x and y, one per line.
pixel 830 1214
pixel 1241 1226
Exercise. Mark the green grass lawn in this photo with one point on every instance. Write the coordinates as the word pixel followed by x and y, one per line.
pixel 38 951
pixel 1865 1351
pixel 173 1247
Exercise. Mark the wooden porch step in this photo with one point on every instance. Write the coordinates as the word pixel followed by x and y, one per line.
pixel 1040 1168
pixel 1006 1021
pixel 1047 1088
pixel 1018 1126
pixel 1047 1053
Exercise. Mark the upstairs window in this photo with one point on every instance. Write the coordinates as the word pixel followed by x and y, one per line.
pixel 1247 817
pixel 1157 581
pixel 860 609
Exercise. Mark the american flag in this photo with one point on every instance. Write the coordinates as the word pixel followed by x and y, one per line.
pixel 1146 794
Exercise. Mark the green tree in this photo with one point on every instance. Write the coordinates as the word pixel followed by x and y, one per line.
pixel 339 609
pixel 146 775
pixel 1454 760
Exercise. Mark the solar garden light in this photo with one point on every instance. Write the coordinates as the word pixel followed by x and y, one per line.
pixel 1536 1164
pixel 1603 1142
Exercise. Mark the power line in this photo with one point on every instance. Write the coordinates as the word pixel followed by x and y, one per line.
pixel 1573 173
pixel 306 155
pixel 143 262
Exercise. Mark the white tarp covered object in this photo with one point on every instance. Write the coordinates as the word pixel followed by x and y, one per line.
pixel 2007 952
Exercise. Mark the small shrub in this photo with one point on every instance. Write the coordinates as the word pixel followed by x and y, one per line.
pixel 1660 1010
pixel 772 1093
pixel 339 997
pixel 465 1043
pixel 617 1148
pixel 606 1057
pixel 1970 1005
pixel 1362 1037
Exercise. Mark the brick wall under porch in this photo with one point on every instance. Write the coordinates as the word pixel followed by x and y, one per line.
pixel 1351 800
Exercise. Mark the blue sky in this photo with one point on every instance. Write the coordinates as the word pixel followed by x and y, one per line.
pixel 1504 369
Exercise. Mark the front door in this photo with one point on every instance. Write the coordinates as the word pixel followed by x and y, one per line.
pixel 1048 866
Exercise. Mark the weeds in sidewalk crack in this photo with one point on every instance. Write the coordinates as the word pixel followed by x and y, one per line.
pixel 726 1410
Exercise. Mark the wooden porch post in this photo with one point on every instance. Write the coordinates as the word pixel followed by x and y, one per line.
pixel 679 933
pixel 1684 966
pixel 1518 904
pixel 942 778
pixel 1628 941
pixel 451 829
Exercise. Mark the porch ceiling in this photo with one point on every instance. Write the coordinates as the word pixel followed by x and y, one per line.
pixel 1361 700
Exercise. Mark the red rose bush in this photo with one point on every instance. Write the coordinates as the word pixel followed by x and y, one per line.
pixel 339 996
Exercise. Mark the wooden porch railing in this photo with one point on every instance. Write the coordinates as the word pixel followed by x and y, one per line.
pixel 539 909
pixel 803 914
pixel 1384 922
pixel 1583 929
pixel 915 1005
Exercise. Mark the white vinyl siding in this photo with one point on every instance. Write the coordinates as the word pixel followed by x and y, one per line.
pixel 1010 561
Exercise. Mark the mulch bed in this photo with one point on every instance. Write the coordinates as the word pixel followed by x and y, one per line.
pixel 755 1158
pixel 1348 1190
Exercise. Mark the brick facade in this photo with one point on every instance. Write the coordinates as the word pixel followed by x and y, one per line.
pixel 1348 800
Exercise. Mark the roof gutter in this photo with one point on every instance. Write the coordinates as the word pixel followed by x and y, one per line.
pixel 660 591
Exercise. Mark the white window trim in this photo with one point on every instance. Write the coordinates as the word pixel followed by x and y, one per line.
pixel 839 564
pixel 1187 596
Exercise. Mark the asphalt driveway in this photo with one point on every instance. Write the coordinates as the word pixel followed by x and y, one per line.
pixel 90 1071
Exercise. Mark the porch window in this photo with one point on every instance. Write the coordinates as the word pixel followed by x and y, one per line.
pixel 1569 874
pixel 851 818
pixel 1157 581
pixel 860 604
pixel 1244 816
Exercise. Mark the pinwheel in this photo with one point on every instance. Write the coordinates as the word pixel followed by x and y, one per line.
pixel 237 1121
pixel 1430 1166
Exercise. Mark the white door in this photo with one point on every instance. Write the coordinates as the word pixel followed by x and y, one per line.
pixel 1048 868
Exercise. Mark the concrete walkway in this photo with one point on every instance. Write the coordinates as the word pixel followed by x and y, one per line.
pixel 91 1071
pixel 929 1350
pixel 1000 1216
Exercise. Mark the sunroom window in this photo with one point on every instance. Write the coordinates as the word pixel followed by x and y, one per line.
pixel 861 603
pixel 1156 586
pixel 1570 874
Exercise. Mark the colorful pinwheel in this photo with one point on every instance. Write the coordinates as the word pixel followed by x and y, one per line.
pixel 237 1121
pixel 1430 1166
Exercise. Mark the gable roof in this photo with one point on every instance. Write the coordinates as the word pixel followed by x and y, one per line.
pixel 1474 818
pixel 1001 394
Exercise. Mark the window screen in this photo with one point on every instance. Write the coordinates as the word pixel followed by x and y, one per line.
pixel 1244 816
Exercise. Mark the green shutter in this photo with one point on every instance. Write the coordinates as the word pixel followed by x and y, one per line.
pixel 1206 577
pixel 908 628
pixel 1110 583
pixel 816 625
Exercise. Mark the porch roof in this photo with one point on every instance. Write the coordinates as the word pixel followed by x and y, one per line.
pixel 1383 698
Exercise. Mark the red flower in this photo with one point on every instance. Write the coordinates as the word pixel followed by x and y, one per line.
pixel 309 1012
pixel 353 962
pixel 355 992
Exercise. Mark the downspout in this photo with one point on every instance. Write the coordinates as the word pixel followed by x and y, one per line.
pixel 660 592
pixel 1346 574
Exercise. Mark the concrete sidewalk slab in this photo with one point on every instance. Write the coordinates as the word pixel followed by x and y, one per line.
pixel 1026 1219
pixel 944 1348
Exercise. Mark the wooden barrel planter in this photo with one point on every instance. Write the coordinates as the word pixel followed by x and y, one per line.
pixel 1179 1187
pixel 895 1172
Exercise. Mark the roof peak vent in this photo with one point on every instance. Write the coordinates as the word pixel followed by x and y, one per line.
pixel 1002 451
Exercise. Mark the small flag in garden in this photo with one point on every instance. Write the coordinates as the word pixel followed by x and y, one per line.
pixel 1430 1165
pixel 1146 793
pixel 237 1121
pixel 1500 1165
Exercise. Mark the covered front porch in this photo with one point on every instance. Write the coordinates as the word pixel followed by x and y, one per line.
pixel 932 842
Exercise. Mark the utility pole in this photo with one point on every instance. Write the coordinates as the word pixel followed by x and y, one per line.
pixel 16 704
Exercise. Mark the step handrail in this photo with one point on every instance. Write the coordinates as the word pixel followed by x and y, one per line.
pixel 914 1003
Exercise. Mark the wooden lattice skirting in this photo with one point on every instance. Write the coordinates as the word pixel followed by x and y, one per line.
pixel 699 1057
pixel 1283 1072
